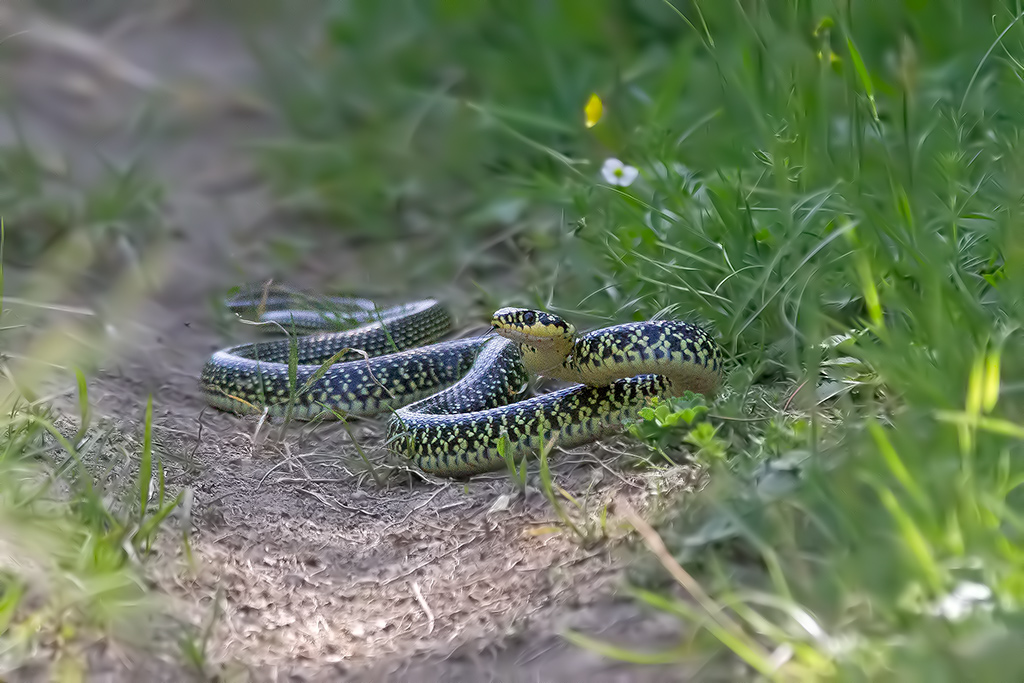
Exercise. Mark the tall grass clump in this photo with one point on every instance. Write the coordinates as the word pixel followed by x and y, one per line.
pixel 835 189
pixel 81 502
pixel 427 127
pixel 45 198
pixel 843 207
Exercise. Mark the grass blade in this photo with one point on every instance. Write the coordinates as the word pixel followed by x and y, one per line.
pixel 146 460
pixel 863 75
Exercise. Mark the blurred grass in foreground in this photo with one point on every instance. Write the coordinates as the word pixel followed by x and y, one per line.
pixel 835 187
pixel 43 202
pixel 81 503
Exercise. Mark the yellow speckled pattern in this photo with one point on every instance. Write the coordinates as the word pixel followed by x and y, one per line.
pixel 383 368
pixel 453 401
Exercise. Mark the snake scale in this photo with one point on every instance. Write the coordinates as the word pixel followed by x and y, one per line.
pixel 450 402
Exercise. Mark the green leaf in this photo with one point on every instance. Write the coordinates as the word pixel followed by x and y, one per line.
pixel 863 75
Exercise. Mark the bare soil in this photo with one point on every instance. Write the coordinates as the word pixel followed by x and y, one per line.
pixel 310 569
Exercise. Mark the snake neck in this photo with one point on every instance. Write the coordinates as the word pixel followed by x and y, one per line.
pixel 551 358
pixel 683 354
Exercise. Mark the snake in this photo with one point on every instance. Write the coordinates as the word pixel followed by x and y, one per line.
pixel 455 407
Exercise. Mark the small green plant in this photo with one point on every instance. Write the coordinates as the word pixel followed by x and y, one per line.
pixel 151 513
pixel 665 424
pixel 379 478
pixel 587 526
pixel 664 414
pixel 79 553
pixel 194 643
pixel 517 473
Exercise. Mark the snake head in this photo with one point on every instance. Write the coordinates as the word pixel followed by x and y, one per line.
pixel 528 326
pixel 544 339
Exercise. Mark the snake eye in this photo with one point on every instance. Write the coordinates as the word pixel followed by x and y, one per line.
pixel 529 318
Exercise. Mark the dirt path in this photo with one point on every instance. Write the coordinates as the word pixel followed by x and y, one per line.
pixel 317 572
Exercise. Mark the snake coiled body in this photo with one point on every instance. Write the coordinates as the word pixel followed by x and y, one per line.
pixel 451 402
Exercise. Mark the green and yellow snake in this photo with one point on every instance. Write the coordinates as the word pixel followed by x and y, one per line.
pixel 452 401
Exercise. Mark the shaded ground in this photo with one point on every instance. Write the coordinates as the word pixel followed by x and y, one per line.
pixel 316 572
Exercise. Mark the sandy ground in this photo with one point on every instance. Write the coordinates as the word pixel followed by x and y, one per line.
pixel 316 571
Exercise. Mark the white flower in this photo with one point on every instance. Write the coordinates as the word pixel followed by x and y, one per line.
pixel 618 173
pixel 965 598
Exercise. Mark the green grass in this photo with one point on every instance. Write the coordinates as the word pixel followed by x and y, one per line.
pixel 81 505
pixel 834 188
pixel 44 199
pixel 81 501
